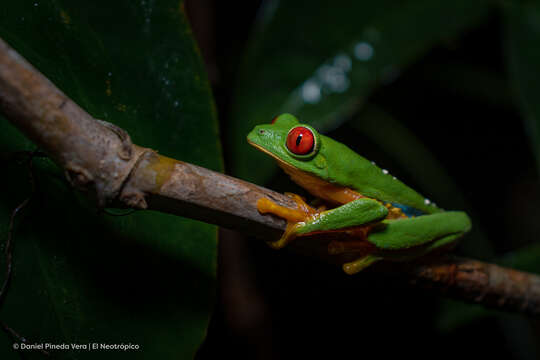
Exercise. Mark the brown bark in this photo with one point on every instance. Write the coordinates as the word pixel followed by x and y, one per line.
pixel 99 158
pixel 475 281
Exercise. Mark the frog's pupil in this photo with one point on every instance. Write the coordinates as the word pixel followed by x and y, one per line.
pixel 298 139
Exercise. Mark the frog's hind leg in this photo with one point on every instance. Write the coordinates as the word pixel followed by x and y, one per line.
pixel 408 239
pixel 430 231
pixel 363 262
pixel 417 236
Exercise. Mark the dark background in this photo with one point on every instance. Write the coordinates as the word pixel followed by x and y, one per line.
pixel 279 305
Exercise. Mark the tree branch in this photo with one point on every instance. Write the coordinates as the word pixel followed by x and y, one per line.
pixel 100 159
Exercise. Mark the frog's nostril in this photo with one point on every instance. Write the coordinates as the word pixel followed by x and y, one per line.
pixel 261 132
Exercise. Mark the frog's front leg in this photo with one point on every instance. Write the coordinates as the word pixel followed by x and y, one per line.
pixel 295 217
pixel 305 220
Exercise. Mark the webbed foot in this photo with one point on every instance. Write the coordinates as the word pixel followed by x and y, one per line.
pixel 360 264
pixel 296 218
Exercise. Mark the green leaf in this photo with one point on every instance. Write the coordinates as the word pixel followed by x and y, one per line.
pixel 321 62
pixel 522 38
pixel 82 277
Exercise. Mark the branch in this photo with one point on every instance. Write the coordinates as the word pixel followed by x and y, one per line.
pixel 100 159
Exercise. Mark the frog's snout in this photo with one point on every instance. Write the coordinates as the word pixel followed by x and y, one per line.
pixel 256 135
pixel 251 137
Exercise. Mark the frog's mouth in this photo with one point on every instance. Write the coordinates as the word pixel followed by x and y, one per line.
pixel 259 147
pixel 293 172
pixel 316 186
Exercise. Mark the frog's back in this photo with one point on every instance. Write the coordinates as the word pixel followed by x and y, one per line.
pixel 347 168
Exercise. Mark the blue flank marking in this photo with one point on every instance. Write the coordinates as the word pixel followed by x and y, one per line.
pixel 408 210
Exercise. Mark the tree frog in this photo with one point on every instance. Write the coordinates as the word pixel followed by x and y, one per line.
pixel 385 218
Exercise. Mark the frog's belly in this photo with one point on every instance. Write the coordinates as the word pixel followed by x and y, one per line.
pixel 339 195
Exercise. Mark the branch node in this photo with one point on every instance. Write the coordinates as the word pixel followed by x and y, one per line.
pixel 126 151
pixel 78 176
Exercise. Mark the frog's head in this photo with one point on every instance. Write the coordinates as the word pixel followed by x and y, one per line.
pixel 290 143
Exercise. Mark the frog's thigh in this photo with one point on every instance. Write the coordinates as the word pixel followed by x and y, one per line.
pixel 405 233
pixel 361 263
pixel 355 213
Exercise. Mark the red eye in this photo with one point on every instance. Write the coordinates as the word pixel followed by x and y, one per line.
pixel 300 140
